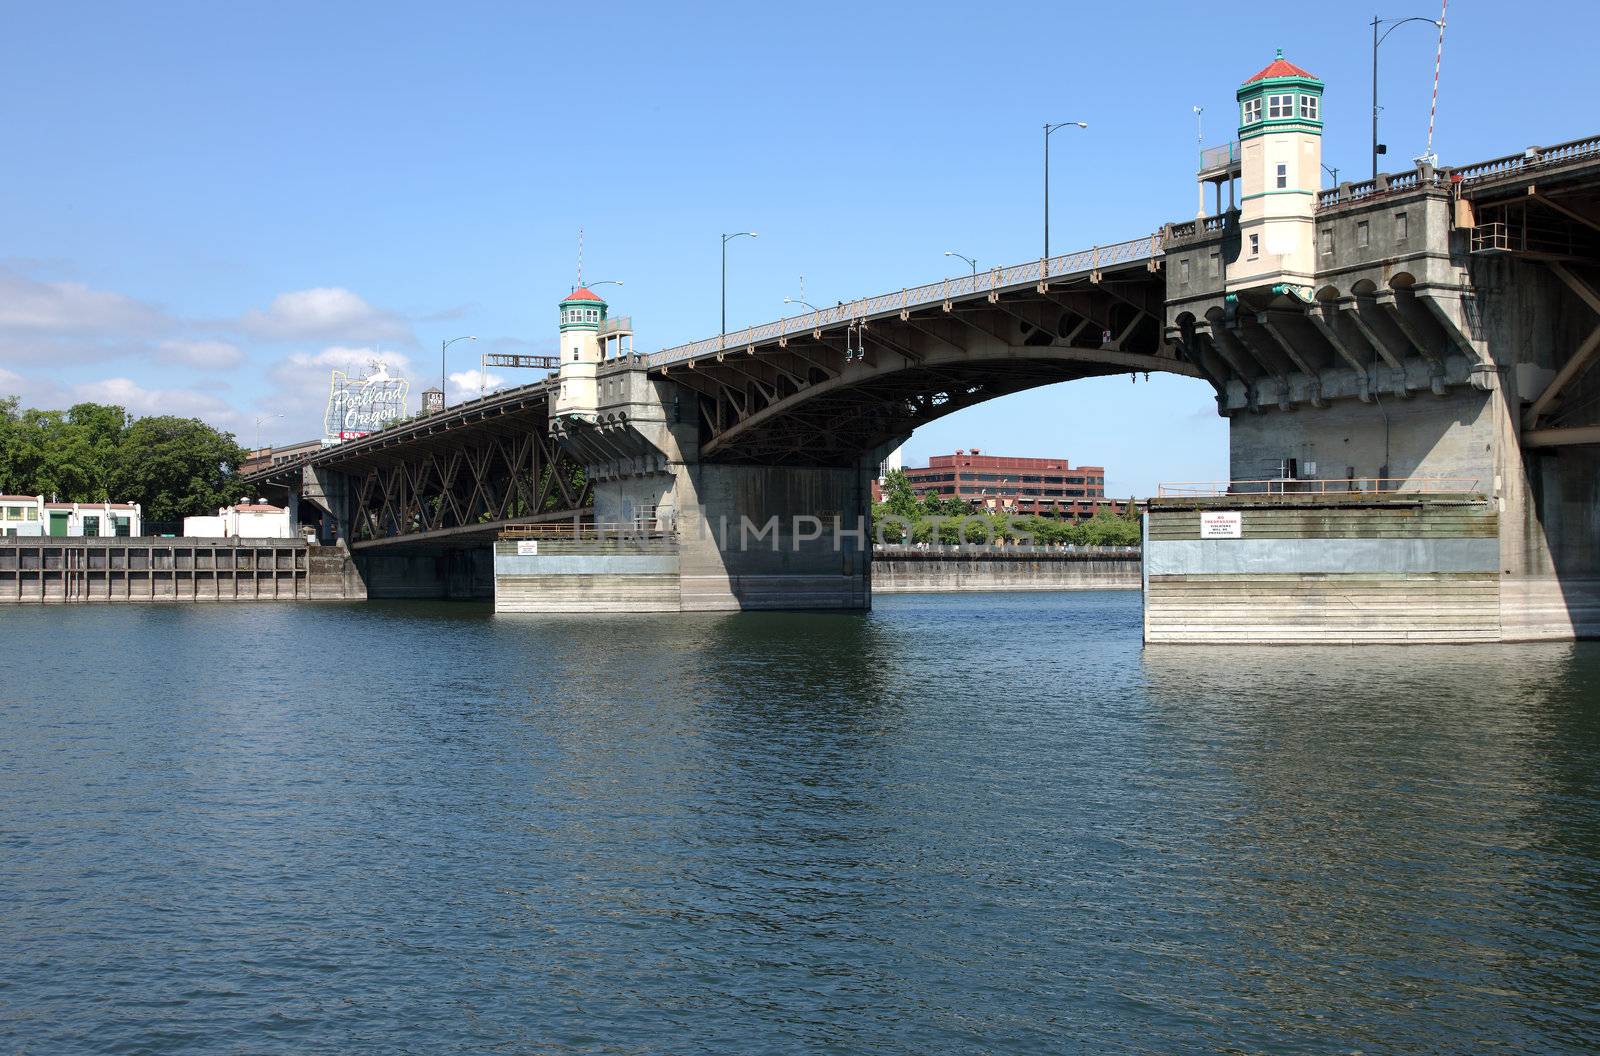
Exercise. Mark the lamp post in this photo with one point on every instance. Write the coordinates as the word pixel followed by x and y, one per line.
pixel 801 300
pixel 969 260
pixel 443 397
pixel 602 282
pixel 725 241
pixel 1049 128
pixel 1393 24
pixel 259 419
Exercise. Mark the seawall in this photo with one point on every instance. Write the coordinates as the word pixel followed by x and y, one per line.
pixel 952 569
pixel 112 568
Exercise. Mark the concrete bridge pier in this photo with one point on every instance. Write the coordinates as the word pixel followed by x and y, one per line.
pixel 742 536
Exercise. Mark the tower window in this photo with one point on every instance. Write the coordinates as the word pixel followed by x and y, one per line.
pixel 1363 234
pixel 1401 227
pixel 1309 107
pixel 1216 265
pixel 1252 111
pixel 1280 106
pixel 1183 271
pixel 1255 246
pixel 1283 175
pixel 1327 241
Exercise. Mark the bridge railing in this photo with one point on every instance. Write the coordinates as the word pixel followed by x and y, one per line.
pixel 1348 486
pixel 1572 150
pixel 584 530
pixel 1088 260
pixel 1465 175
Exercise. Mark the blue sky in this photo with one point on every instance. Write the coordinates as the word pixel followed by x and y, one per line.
pixel 207 207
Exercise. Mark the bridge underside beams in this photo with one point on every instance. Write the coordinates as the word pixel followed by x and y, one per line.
pixel 828 397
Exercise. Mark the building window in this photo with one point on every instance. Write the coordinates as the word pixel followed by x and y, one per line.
pixel 574 354
pixel 1283 176
pixel 1309 107
pixel 1401 227
pixel 1216 265
pixel 1280 106
pixel 1183 271
pixel 1327 241
pixel 1255 246
pixel 1363 234
pixel 1252 111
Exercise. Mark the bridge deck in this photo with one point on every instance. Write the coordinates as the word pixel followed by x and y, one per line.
pixel 995 280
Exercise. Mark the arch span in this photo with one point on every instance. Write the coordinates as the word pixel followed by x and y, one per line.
pixel 830 396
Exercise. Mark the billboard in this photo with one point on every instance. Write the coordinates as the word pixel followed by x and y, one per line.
pixel 358 406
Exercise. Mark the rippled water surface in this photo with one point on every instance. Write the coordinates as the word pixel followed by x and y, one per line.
pixel 983 824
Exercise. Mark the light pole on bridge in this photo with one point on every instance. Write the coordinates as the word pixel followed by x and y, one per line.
pixel 259 419
pixel 443 399
pixel 725 240
pixel 801 300
pixel 1393 24
pixel 969 260
pixel 1049 128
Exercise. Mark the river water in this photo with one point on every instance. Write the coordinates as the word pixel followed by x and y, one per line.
pixel 957 824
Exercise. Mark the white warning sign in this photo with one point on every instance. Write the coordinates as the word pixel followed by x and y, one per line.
pixel 1221 524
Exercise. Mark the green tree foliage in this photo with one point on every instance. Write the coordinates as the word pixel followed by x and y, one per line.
pixel 91 452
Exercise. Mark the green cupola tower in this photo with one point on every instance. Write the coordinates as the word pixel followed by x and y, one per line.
pixel 1280 173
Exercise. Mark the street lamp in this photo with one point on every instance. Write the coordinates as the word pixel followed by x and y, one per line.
pixel 725 241
pixel 1393 24
pixel 442 346
pixel 259 419
pixel 969 260
pixel 1049 128
pixel 602 282
pixel 800 300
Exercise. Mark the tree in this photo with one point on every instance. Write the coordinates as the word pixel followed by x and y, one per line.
pixel 1109 529
pixel 175 467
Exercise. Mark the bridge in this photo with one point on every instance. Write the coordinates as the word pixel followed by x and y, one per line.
pixel 1432 324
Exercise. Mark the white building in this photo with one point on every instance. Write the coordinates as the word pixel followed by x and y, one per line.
pixel 246 520
pixel 31 515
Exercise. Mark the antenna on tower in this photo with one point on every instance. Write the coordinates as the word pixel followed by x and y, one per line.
pixel 580 258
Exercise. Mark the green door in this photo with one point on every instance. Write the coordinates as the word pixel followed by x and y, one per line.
pixel 58 522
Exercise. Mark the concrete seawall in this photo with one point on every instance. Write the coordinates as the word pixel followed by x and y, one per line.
pixel 910 570
pixel 58 570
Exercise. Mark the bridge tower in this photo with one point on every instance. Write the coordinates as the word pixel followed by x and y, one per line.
pixel 582 313
pixel 1280 139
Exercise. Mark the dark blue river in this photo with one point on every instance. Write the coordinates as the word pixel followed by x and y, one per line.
pixel 958 824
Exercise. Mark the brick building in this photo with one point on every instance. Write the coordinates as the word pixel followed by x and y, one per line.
pixel 1024 486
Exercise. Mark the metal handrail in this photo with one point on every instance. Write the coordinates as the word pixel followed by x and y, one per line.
pixel 1342 486
pixel 583 530
pixel 1219 156
pixel 915 297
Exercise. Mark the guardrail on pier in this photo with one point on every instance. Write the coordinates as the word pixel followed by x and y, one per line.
pixel 1346 486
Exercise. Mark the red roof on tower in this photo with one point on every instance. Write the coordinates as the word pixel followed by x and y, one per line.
pixel 1281 67
pixel 582 293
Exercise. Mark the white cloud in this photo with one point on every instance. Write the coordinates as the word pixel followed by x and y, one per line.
pixel 29 305
pixel 326 313
pixel 140 401
pixel 205 355
pixel 470 384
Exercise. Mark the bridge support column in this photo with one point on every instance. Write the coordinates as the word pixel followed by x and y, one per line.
pixel 774 537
